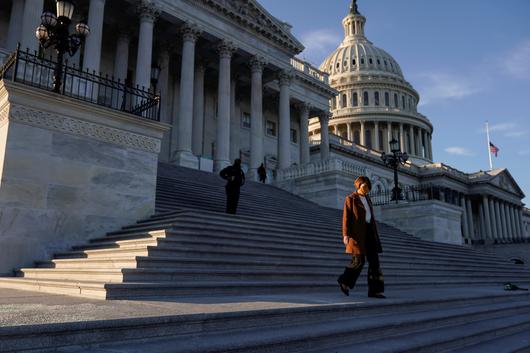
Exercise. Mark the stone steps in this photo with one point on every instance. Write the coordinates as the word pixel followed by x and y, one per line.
pixel 119 275
pixel 396 327
pixel 269 264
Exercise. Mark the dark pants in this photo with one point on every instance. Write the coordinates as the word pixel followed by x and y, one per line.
pixel 375 275
pixel 232 198
pixel 262 178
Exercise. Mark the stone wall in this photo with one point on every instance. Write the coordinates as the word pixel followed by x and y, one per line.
pixel 69 171
pixel 430 220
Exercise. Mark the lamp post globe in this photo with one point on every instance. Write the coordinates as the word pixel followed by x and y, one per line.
pixel 53 32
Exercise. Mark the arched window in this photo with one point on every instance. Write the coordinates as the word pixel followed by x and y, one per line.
pixel 410 103
pixel 378 62
pixel 368 138
pixel 376 98
pixel 357 137
pixel 396 100
pixel 355 99
pixel 338 65
pixel 371 61
pixel 387 99
pixel 344 101
pixel 362 61
pixel 365 98
pixel 403 102
pixel 353 62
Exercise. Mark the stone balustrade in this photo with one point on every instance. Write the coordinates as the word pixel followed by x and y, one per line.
pixel 309 69
pixel 319 167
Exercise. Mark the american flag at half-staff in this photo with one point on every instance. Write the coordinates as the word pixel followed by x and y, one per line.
pixel 494 149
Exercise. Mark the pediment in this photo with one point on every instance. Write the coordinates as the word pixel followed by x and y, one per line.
pixel 505 181
pixel 250 14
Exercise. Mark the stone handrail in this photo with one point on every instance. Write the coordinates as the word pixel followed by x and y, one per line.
pixel 318 167
pixel 308 69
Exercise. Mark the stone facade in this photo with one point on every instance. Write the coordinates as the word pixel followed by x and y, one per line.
pixel 69 171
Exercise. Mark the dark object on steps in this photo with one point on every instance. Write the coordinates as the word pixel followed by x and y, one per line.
pixel 511 286
pixel 517 261
pixel 343 288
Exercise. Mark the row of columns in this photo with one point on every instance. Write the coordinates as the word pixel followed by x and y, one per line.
pixel 415 142
pixel 500 220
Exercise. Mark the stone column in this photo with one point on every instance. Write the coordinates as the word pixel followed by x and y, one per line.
pixel 284 126
pixel 504 220
pixel 14 31
pixel 121 57
pixel 465 227
pixel 498 221
pixel 363 134
pixel 148 14
pixel 512 222
pixel 411 140
pixel 165 106
pixel 481 226
pixel 235 121
pixel 417 139
pixel 304 137
pixel 401 138
pixel 257 64
pixel 519 222
pixel 30 21
pixel 493 220
pixel 376 137
pixel 198 110
pixel 92 54
pixel 349 130
pixel 470 218
pixel 424 140
pixel 222 142
pixel 324 136
pixel 182 155
pixel 487 217
pixel 389 136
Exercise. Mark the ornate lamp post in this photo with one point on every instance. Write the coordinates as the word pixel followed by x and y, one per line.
pixel 155 75
pixel 394 160
pixel 53 31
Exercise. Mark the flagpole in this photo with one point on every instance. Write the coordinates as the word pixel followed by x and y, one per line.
pixel 489 148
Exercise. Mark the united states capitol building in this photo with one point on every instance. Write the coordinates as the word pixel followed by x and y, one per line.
pixel 222 81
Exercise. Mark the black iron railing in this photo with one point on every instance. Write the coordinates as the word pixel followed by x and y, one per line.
pixel 410 194
pixel 35 71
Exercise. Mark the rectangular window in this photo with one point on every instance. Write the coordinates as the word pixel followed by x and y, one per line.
pixel 376 98
pixel 271 128
pixel 294 136
pixel 387 99
pixel 245 120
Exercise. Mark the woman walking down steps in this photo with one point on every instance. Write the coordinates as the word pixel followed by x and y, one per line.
pixel 361 238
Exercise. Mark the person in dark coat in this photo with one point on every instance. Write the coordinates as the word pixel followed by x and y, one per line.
pixel 235 179
pixel 361 238
pixel 262 173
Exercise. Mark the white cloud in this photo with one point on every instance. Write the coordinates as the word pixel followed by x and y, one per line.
pixel 440 86
pixel 459 151
pixel 508 129
pixel 515 134
pixel 517 62
pixel 318 44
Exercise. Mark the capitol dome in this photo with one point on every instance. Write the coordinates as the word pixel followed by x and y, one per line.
pixel 375 102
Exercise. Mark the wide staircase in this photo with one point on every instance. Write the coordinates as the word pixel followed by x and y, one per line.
pixel 280 247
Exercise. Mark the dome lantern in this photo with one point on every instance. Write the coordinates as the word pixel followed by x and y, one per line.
pixel 354 22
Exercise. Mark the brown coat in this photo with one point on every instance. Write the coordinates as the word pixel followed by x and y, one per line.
pixel 354 225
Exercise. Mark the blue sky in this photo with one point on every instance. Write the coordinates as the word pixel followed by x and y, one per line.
pixel 468 59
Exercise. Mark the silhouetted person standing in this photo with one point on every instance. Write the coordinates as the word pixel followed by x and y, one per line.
pixel 360 236
pixel 262 173
pixel 235 179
